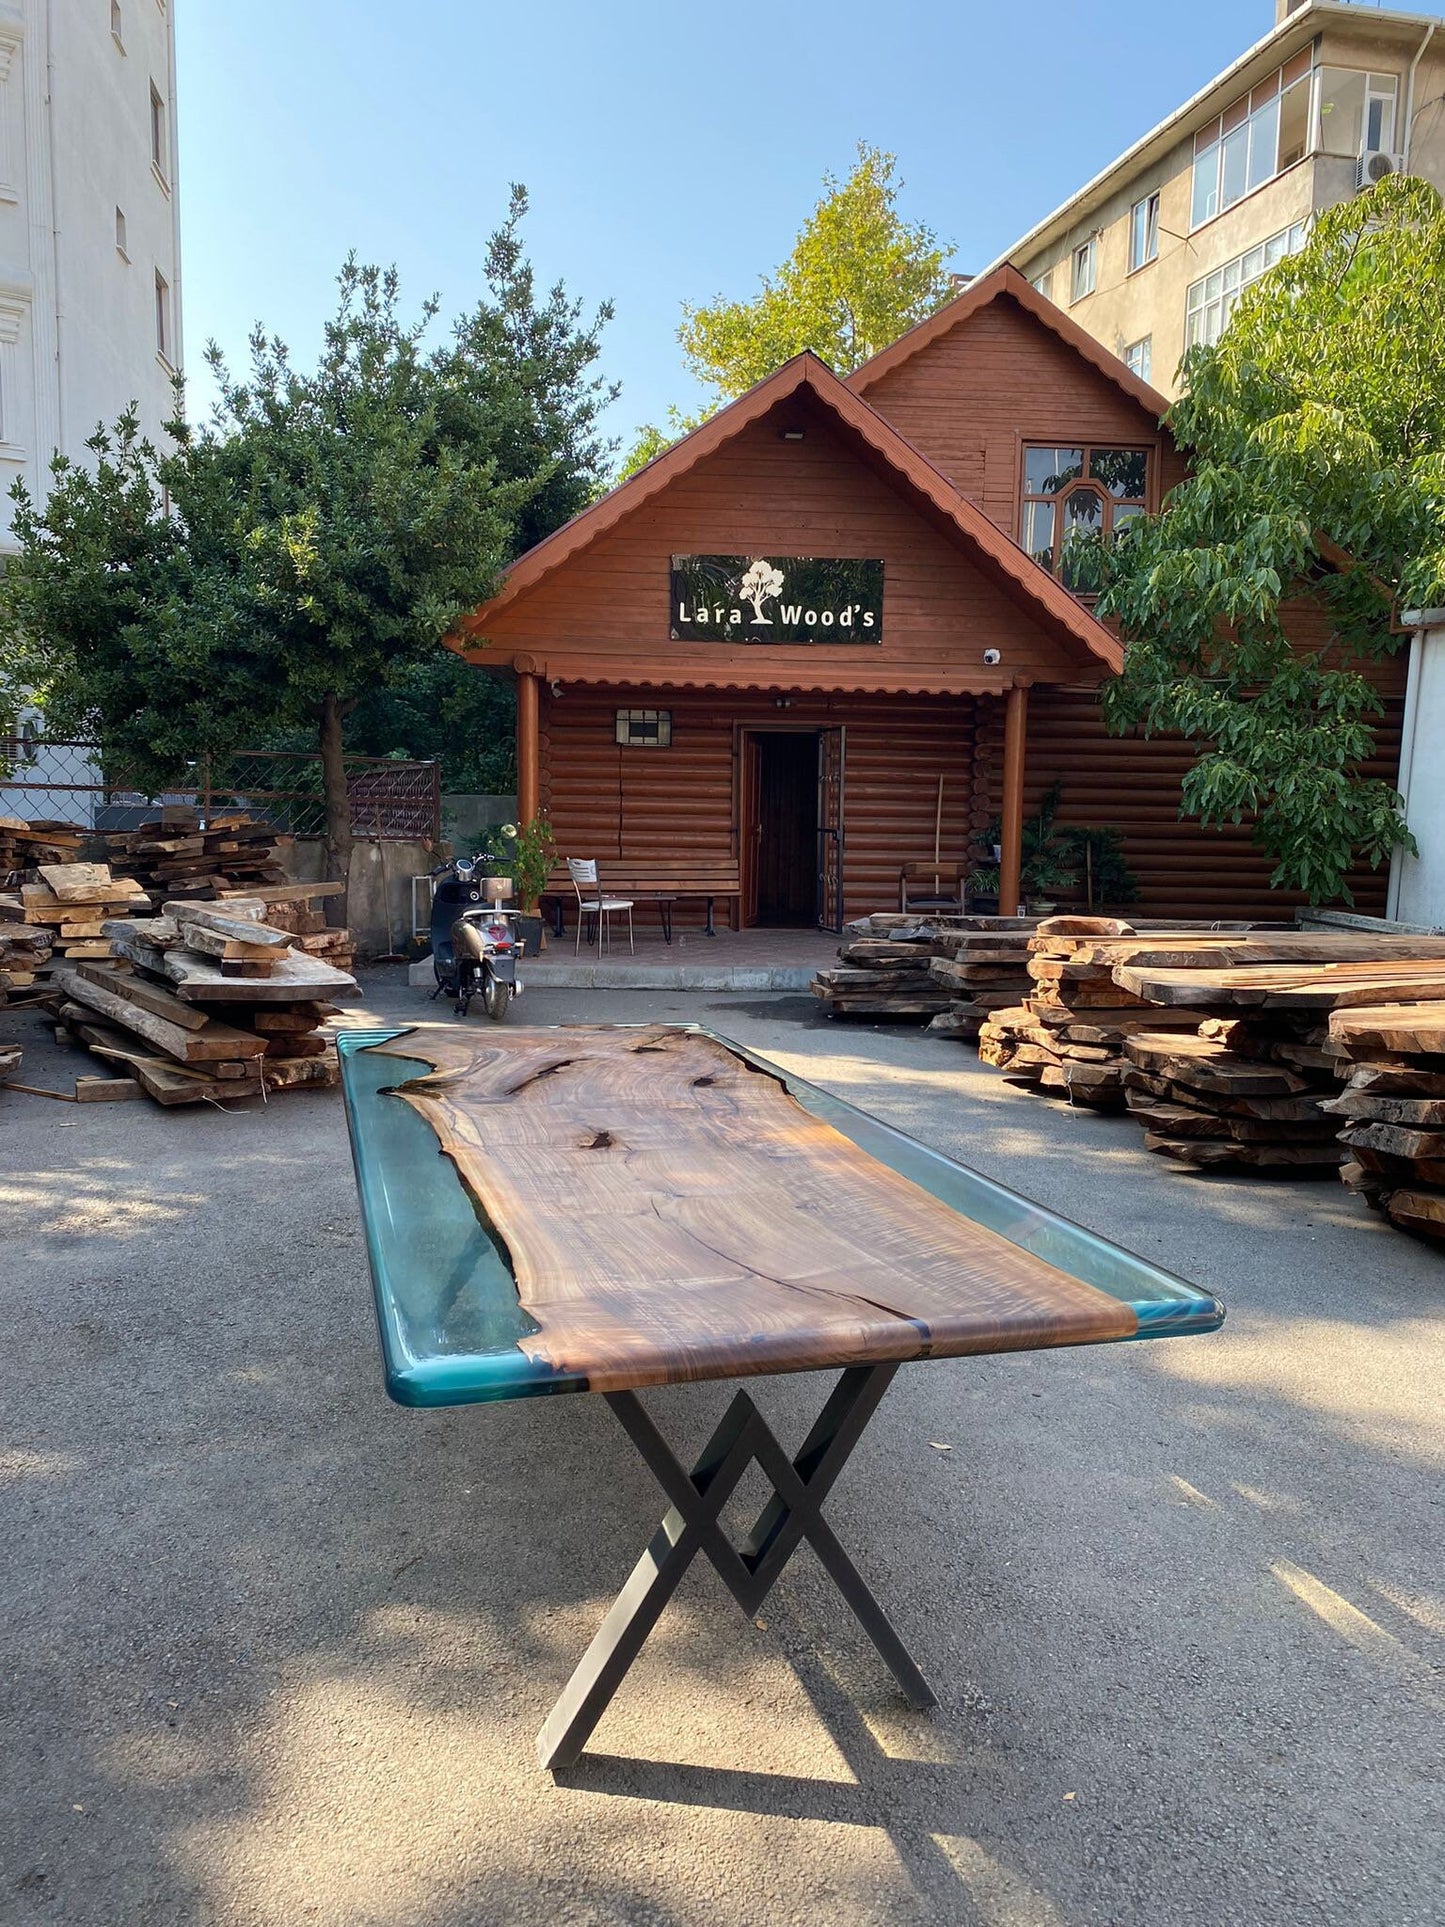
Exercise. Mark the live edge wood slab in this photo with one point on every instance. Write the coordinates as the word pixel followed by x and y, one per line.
pixel 672 1213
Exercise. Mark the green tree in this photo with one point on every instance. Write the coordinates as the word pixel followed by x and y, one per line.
pixel 305 552
pixel 859 275
pixel 1315 425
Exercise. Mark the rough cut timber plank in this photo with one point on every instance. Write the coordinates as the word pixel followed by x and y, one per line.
pixel 282 892
pixel 712 1225
pixel 294 979
pixel 86 882
pixel 186 1045
pixel 136 990
pixel 232 923
pixel 1406 1027
pixel 1204 1066
pixel 1285 986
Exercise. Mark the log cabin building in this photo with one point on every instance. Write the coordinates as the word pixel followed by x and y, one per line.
pixel 833 625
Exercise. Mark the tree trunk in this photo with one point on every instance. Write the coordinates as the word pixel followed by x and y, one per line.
pixel 338 804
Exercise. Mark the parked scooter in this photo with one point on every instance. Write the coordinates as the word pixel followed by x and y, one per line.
pixel 475 946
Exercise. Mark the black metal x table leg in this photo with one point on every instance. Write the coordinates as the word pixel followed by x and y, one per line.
pixel 692 1525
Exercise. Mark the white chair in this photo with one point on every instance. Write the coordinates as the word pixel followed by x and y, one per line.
pixel 583 872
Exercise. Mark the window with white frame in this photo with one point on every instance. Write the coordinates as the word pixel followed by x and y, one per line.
pixel 1143 232
pixel 1210 300
pixel 1139 357
pixel 1085 267
pixel 120 241
pixel 1264 132
pixel 1041 283
pixel 163 317
pixel 115 25
pixel 1356 112
pixel 160 144
pixel 12 324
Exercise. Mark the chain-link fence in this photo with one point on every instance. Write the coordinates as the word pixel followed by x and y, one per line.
pixel 49 782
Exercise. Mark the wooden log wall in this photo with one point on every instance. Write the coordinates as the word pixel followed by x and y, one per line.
pixel 608 801
pixel 1132 784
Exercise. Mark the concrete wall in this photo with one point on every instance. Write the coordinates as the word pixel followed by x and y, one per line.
pixel 1417 883
pixel 1152 300
pixel 380 897
pixel 78 315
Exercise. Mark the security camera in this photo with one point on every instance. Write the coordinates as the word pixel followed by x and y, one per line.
pixel 556 689
pixel 993 657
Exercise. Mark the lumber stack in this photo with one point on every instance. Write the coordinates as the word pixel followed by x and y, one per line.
pixel 883 970
pixel 1221 1097
pixel 173 855
pixel 24 952
pixel 72 902
pixel 293 907
pixel 1066 1037
pixel 887 969
pixel 205 1004
pixel 983 971
pixel 1262 1071
pixel 23 845
pixel 1392 1057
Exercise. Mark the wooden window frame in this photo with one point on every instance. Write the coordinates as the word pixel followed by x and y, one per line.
pixel 1147 503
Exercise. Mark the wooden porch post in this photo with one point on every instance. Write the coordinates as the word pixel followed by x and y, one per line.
pixel 528 759
pixel 1015 727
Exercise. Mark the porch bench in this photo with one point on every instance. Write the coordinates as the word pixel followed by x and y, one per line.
pixel 657 880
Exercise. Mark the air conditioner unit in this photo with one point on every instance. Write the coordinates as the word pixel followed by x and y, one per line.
pixel 1374 164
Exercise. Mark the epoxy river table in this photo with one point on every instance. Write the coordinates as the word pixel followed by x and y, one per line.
pixel 600 1209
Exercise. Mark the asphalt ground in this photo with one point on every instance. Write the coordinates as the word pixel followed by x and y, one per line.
pixel 273 1650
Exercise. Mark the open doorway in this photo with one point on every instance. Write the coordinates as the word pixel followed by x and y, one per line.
pixel 781 827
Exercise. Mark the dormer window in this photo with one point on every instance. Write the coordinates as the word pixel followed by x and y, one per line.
pixel 1071 494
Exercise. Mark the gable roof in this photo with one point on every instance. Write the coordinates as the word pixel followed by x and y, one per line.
pixel 1016 572
pixel 1008 282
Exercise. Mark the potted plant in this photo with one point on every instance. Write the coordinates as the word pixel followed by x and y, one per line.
pixel 533 849
pixel 981 892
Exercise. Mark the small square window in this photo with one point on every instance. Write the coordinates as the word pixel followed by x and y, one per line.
pixel 644 728
pixel 1085 267
pixel 120 244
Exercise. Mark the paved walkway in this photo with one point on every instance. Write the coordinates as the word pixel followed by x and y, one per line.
pixel 732 960
pixel 273 1651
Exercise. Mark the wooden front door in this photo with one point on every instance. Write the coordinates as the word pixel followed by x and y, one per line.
pixel 780 795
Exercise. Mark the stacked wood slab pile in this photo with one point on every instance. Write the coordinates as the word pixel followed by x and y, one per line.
pixel 887 968
pixel 1392 1057
pixel 884 970
pixel 23 845
pixel 24 951
pixel 984 971
pixel 1066 1038
pixel 74 901
pixel 173 856
pixel 204 1004
pixel 293 907
pixel 1253 1087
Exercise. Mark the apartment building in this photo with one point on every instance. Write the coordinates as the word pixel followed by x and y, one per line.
pixel 90 280
pixel 1151 256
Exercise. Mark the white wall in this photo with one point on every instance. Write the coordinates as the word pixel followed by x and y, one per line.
pixel 1417 883
pixel 77 317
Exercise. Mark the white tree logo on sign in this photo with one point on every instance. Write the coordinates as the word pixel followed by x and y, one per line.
pixel 761 581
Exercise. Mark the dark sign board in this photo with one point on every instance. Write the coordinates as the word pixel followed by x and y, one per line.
pixel 776 598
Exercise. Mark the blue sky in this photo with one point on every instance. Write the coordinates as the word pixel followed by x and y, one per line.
pixel 671 150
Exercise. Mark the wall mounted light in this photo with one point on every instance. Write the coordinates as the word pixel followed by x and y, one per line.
pixel 792 435
pixel 556 688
